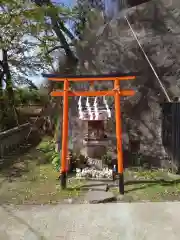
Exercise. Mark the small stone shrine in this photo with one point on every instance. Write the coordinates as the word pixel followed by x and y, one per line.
pixel 95 141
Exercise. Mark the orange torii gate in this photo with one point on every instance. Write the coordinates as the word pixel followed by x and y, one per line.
pixel 116 93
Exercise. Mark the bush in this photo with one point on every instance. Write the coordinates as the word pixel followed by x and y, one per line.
pixel 56 160
pixel 51 156
pixel 54 157
pixel 46 146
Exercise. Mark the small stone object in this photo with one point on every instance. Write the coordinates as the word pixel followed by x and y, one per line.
pixel 120 197
pixel 69 200
pixel 95 163
pixel 94 173
pixel 107 188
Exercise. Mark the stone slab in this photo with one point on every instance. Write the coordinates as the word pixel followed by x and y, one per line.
pixel 95 185
pixel 127 221
pixel 99 197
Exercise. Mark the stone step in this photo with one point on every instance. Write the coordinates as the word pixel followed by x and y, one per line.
pixel 97 192
pixel 95 197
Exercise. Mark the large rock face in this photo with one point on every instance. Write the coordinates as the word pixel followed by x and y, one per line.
pixel 113 48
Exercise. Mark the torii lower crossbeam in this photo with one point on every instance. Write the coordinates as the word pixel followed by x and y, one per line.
pixel 116 93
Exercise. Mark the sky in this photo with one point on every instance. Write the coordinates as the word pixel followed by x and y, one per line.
pixel 69 3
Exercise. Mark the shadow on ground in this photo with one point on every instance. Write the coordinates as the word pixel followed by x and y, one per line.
pixel 144 184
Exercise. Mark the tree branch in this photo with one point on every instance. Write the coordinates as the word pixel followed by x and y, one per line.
pixel 59 28
pixel 56 47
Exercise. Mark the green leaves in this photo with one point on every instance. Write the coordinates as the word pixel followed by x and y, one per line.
pixel 56 161
pixel 28 96
pixel 35 13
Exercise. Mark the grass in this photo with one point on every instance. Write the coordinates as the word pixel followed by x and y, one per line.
pixel 31 179
pixel 150 185
pixel 28 181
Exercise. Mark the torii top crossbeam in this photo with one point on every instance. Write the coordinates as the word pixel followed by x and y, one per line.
pixel 83 78
pixel 90 78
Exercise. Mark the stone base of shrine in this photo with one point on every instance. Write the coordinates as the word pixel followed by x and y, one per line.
pixel 94 149
pixel 95 163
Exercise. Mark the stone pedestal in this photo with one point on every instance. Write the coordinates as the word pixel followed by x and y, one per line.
pixel 95 141
pixel 97 163
pixel 94 149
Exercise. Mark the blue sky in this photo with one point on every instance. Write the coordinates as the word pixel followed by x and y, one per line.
pixel 69 3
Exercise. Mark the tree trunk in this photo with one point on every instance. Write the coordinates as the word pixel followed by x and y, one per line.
pixel 9 85
pixel 58 27
pixel 2 107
